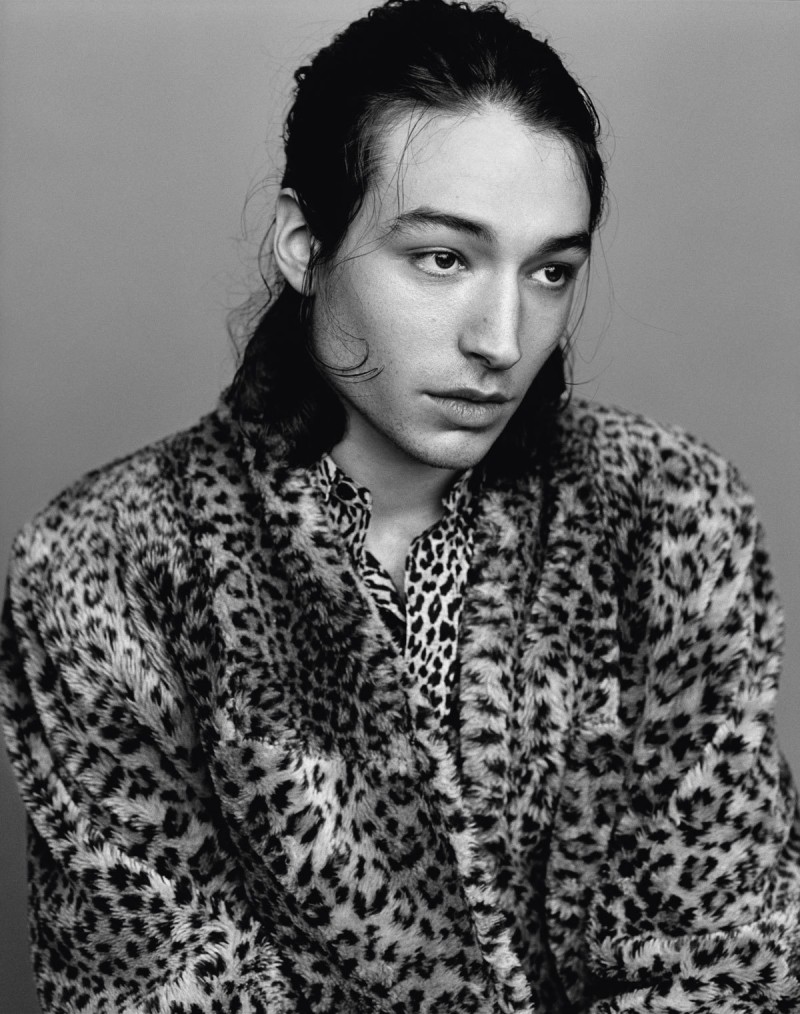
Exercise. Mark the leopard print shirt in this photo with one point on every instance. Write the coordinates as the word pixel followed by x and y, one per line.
pixel 425 627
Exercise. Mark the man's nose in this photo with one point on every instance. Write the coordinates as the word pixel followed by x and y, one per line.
pixel 492 331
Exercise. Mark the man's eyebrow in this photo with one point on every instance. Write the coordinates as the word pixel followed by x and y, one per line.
pixel 558 244
pixel 429 218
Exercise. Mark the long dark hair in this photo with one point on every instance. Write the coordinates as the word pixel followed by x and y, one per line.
pixel 420 54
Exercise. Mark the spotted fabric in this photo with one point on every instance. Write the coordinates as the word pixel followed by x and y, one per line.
pixel 424 620
pixel 234 807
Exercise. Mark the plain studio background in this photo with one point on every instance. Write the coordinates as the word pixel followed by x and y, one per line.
pixel 130 133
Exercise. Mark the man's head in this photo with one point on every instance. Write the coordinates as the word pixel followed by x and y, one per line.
pixel 384 108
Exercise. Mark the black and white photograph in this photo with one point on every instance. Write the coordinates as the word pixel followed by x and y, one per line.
pixel 400 469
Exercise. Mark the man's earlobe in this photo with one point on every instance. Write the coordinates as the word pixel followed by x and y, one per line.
pixel 293 243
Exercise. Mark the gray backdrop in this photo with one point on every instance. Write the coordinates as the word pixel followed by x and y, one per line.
pixel 131 131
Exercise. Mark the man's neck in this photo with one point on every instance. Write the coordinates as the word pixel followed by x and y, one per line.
pixel 404 491
pixel 406 500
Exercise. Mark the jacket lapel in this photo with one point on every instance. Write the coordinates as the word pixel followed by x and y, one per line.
pixel 539 696
pixel 497 600
pixel 580 624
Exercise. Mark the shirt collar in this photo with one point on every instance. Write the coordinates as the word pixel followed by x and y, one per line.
pixel 336 486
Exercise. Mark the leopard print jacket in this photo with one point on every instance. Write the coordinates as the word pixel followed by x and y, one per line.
pixel 240 803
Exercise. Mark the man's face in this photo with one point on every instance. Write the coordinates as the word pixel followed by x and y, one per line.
pixel 459 273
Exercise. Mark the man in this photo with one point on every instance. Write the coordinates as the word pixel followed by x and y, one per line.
pixel 395 684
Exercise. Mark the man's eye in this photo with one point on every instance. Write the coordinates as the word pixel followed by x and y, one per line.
pixel 439 262
pixel 555 276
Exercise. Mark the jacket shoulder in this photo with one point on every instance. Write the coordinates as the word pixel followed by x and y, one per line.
pixel 637 459
pixel 138 498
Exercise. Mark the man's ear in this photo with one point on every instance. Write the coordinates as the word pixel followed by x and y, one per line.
pixel 293 243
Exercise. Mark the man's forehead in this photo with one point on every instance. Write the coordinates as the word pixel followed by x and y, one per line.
pixel 483 167
pixel 422 138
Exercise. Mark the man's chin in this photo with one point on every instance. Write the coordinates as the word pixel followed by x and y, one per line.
pixel 460 454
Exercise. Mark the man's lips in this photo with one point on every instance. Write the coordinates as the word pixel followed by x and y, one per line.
pixel 472 394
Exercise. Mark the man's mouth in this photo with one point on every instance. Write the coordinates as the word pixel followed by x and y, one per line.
pixel 472 394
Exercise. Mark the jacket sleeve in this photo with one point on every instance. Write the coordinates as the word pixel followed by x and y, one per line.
pixel 133 907
pixel 697 906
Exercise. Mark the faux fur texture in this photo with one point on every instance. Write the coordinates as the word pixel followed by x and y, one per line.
pixel 240 803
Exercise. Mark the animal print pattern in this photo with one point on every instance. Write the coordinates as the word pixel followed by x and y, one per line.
pixel 425 620
pixel 239 800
